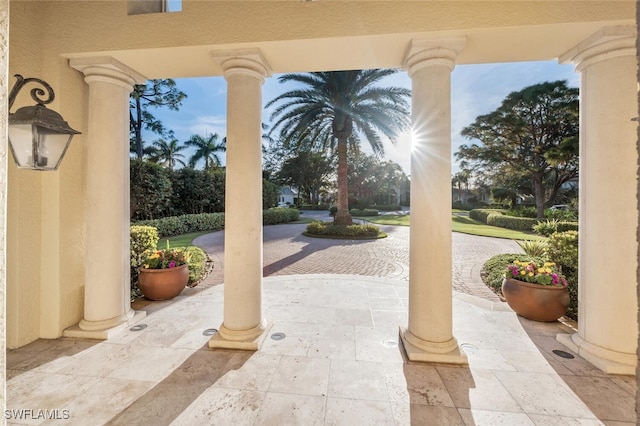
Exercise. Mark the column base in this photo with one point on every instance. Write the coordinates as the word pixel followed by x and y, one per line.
pixel 103 330
pixel 611 362
pixel 244 340
pixel 418 349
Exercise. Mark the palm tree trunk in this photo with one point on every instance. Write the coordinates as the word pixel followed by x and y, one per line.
pixel 343 217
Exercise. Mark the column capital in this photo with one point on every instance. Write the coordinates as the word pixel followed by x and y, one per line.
pixel 607 43
pixel 249 62
pixel 107 69
pixel 427 52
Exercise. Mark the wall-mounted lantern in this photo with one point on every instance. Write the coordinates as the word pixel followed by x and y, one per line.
pixel 38 137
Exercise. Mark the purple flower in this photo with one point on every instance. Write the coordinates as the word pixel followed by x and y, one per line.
pixel 172 264
pixel 555 278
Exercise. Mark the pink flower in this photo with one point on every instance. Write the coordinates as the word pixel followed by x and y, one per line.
pixel 172 264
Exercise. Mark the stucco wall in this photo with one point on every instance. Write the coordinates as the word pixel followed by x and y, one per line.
pixel 4 147
pixel 45 209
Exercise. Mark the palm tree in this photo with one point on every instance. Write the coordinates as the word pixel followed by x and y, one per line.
pixel 168 153
pixel 335 110
pixel 206 148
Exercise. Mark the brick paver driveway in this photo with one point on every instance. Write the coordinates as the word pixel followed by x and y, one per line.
pixel 288 252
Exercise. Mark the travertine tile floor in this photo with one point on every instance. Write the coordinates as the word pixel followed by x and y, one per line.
pixel 339 364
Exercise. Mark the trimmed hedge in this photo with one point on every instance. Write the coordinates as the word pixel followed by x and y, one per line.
pixel 511 222
pixel 482 214
pixel 185 224
pixel 388 207
pixel 279 215
pixel 497 217
pixel 567 226
pixel 325 229
pixel 364 212
pixel 313 207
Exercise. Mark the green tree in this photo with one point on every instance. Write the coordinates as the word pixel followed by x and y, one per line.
pixel 307 171
pixel 155 93
pixel 197 191
pixel 150 190
pixel 167 152
pixel 270 192
pixel 207 149
pixel 533 133
pixel 335 110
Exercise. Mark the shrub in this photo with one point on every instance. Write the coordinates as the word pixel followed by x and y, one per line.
pixel 564 215
pixel 567 226
pixel 562 248
pixel 197 191
pixel 546 228
pixel 530 212
pixel 510 222
pixel 365 212
pixel 279 215
pixel 143 239
pixel 482 214
pixel 313 207
pixel 333 210
pixel 534 248
pixel 178 225
pixel 150 193
pixel 198 262
pixel 325 229
pixel 387 207
pixel 493 270
pixel 270 192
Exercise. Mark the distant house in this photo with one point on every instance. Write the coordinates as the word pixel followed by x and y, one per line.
pixel 288 196
pixel 468 196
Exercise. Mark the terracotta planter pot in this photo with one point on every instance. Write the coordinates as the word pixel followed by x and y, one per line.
pixel 163 284
pixel 534 301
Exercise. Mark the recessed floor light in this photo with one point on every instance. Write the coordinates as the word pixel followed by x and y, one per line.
pixel 563 354
pixel 209 332
pixel 138 327
pixel 278 336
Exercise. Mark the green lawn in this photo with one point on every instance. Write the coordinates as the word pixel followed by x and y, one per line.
pixel 461 224
pixel 180 240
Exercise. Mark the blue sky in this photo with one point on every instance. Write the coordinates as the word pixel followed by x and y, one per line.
pixel 475 90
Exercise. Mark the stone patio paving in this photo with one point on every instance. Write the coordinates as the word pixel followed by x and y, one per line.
pixel 339 362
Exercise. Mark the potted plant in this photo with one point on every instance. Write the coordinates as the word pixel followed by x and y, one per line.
pixel 536 292
pixel 164 273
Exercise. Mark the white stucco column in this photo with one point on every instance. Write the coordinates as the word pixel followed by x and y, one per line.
pixel 107 305
pixel 429 336
pixel 607 324
pixel 243 326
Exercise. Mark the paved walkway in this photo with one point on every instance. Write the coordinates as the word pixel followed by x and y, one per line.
pixel 339 364
pixel 288 252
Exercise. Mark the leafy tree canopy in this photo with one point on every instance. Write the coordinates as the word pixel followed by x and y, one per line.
pixel 207 149
pixel 333 110
pixel 155 93
pixel 534 133
pixel 309 172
